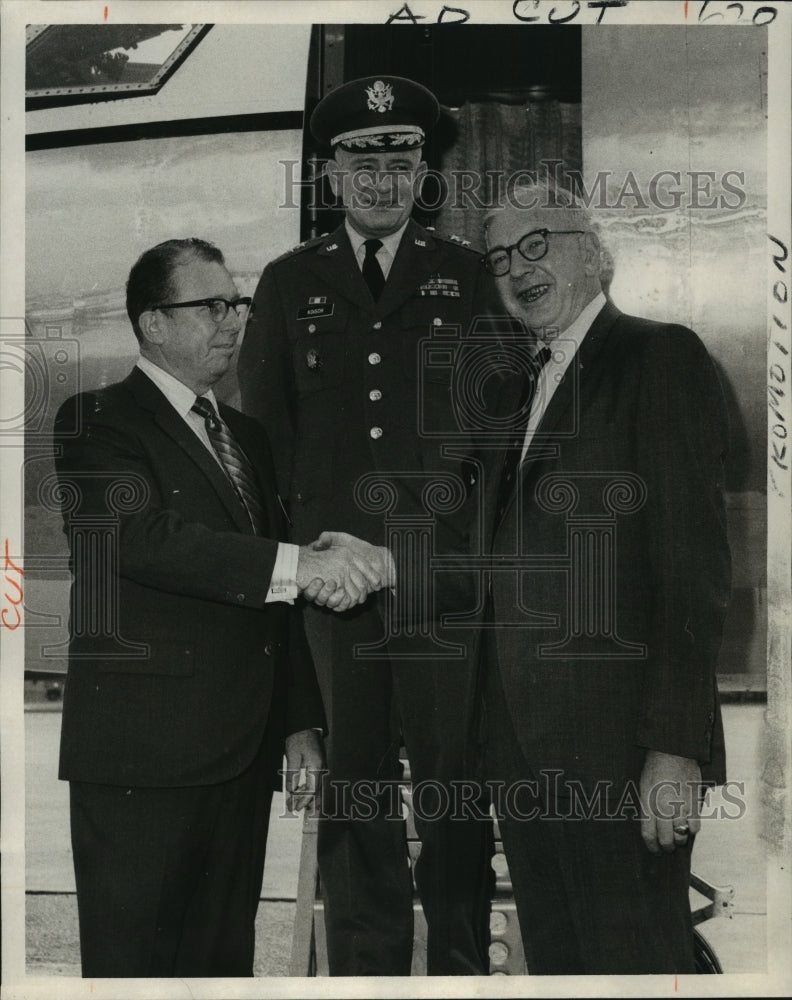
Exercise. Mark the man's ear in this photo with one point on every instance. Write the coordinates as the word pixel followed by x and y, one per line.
pixel 591 253
pixel 151 326
pixel 419 172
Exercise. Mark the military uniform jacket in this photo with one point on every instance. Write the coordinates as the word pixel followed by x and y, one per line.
pixel 348 387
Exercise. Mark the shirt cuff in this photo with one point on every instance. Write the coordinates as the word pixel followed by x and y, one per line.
pixel 283 583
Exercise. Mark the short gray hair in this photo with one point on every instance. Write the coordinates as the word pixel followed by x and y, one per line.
pixel 545 195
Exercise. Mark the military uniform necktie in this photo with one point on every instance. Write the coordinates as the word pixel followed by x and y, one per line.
pixel 235 462
pixel 514 454
pixel 372 271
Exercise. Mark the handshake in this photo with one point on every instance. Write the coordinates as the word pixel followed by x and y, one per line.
pixel 339 570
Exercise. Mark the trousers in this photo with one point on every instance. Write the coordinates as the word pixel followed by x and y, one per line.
pixel 591 899
pixel 375 705
pixel 169 879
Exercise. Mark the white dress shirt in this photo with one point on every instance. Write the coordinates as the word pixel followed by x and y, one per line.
pixel 563 349
pixel 283 583
pixel 386 253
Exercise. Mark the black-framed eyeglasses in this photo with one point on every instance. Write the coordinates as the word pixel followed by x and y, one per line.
pixel 218 308
pixel 532 246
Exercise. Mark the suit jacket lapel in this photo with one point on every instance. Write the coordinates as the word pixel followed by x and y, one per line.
pixel 150 398
pixel 570 393
pixel 261 460
pixel 508 402
pixel 577 382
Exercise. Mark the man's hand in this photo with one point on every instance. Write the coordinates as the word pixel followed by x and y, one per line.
pixel 670 788
pixel 339 570
pixel 304 759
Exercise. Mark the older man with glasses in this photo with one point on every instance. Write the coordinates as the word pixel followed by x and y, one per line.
pixel 604 531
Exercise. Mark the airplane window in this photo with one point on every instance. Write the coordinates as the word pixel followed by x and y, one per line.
pixel 73 63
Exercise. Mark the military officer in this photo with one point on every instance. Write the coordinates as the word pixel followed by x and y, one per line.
pixel 333 365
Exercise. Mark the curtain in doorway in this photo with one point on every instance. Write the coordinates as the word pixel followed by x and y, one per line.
pixel 493 141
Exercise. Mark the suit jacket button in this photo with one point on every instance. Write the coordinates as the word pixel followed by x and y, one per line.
pixel 268 650
pixel 374 358
pixel 240 597
pixel 378 325
pixel 376 432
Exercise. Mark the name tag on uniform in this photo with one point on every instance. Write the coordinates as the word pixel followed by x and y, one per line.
pixel 437 287
pixel 318 306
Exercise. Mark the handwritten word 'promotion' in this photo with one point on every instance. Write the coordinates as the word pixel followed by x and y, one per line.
pixel 778 372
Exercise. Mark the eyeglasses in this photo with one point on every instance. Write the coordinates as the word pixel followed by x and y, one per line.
pixel 218 308
pixel 532 246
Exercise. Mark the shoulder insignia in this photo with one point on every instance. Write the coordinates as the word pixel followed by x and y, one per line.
pixel 459 242
pixel 300 248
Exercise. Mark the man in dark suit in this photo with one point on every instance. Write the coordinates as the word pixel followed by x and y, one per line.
pixel 609 579
pixel 332 365
pixel 187 670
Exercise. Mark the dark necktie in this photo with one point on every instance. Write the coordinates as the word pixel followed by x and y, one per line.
pixel 235 462
pixel 372 271
pixel 514 454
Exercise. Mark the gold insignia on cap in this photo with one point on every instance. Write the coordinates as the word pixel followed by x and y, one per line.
pixel 380 96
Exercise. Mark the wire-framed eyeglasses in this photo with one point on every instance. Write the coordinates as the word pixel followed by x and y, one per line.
pixel 532 246
pixel 218 308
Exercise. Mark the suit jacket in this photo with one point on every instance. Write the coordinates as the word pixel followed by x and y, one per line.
pixel 176 664
pixel 610 628
pixel 345 386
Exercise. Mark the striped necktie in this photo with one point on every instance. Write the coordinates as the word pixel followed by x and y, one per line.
pixel 235 462
pixel 514 454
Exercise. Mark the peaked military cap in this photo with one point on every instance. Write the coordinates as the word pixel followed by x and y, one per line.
pixel 375 113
